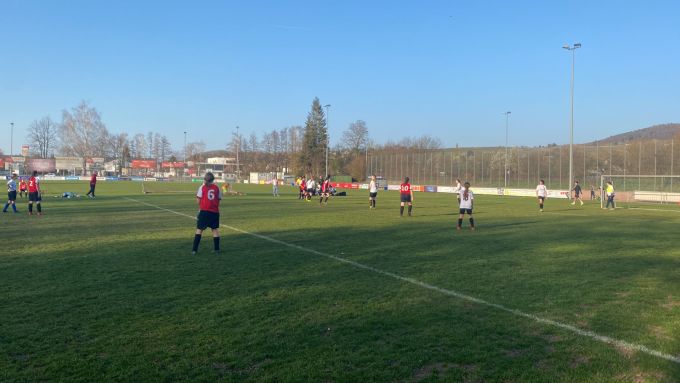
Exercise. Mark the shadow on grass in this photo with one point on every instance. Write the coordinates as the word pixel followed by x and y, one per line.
pixel 138 310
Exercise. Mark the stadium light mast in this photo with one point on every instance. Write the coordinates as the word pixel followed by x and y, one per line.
pixel 11 139
pixel 572 49
pixel 327 106
pixel 507 115
pixel 185 148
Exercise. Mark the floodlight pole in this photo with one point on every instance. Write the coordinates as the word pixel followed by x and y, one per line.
pixel 507 115
pixel 572 49
pixel 11 139
pixel 327 106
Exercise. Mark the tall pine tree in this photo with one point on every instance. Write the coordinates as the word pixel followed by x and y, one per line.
pixel 313 155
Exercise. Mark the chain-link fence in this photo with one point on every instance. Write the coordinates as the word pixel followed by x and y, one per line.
pixel 525 166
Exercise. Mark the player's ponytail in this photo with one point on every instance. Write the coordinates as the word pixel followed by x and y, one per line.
pixel 406 180
pixel 465 193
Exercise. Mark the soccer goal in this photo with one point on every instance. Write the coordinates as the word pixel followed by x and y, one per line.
pixel 642 191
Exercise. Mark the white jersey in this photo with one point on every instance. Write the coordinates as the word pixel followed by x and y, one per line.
pixel 11 185
pixel 373 188
pixel 541 191
pixel 311 184
pixel 466 202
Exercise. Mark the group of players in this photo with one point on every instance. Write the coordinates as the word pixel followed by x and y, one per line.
pixel 308 187
pixel 32 188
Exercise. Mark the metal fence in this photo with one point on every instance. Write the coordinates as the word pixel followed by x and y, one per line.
pixel 485 166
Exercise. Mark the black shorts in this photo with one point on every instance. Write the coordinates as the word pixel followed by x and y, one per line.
pixel 405 198
pixel 207 219
pixel 541 198
pixel 373 195
pixel 34 197
pixel 12 195
pixel 463 211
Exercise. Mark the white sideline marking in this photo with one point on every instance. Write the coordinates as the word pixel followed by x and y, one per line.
pixel 585 333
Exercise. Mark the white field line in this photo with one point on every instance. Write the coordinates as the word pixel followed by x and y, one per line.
pixel 650 209
pixel 581 332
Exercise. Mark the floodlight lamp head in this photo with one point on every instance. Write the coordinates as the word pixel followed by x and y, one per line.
pixel 566 46
pixel 327 106
pixel 577 45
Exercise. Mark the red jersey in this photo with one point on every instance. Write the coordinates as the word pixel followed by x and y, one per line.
pixel 209 197
pixel 93 179
pixel 326 186
pixel 22 185
pixel 405 189
pixel 33 185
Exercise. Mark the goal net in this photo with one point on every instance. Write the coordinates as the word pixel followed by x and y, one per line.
pixel 641 191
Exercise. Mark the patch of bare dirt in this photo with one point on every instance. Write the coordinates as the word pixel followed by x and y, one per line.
pixel 579 361
pixel 671 303
pixel 430 369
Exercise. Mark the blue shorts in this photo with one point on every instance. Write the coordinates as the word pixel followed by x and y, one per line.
pixel 463 211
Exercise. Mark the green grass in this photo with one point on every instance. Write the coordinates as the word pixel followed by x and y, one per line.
pixel 106 290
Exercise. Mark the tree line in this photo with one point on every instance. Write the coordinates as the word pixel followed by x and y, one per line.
pixel 298 150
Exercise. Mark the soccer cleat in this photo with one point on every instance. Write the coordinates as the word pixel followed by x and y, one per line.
pixel 472 228
pixel 541 210
pixel 573 203
pixel 581 203
pixel 193 252
pixel 457 227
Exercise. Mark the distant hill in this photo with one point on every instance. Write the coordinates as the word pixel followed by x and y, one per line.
pixel 658 132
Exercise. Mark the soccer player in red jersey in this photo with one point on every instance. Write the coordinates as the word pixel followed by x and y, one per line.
pixel 23 187
pixel 93 184
pixel 325 190
pixel 406 197
pixel 209 196
pixel 303 188
pixel 34 193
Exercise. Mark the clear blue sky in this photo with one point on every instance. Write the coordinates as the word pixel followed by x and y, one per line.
pixel 444 68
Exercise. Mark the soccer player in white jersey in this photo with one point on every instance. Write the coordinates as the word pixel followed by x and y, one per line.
pixel 311 188
pixel 11 194
pixel 372 192
pixel 541 194
pixel 466 202
pixel 457 189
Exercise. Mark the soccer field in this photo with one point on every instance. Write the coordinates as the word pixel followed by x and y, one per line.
pixel 106 290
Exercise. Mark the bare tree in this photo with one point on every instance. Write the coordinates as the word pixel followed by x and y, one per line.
pixel 82 133
pixel 138 146
pixel 356 136
pixel 165 147
pixel 120 149
pixel 42 135
pixel 194 150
